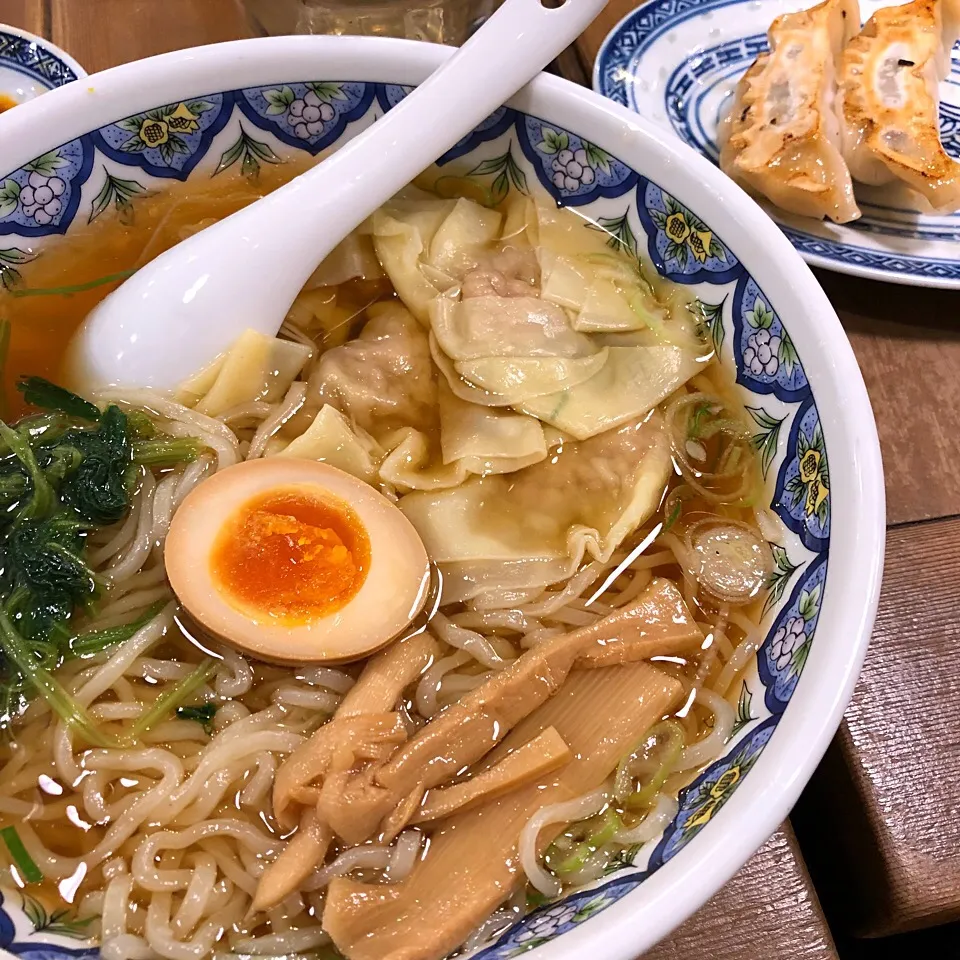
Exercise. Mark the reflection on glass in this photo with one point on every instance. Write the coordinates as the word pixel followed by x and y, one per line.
pixel 439 21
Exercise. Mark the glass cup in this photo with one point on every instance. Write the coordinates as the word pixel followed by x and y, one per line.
pixel 439 21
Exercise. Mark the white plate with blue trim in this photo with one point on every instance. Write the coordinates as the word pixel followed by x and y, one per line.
pixel 677 62
pixel 31 65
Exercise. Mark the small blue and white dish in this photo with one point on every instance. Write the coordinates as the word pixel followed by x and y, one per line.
pixel 31 65
pixel 677 62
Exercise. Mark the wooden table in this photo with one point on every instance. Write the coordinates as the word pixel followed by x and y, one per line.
pixel 886 788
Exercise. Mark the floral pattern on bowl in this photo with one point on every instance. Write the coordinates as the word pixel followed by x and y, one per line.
pixel 309 116
pixel 803 484
pixel 30 932
pixel 167 141
pixel 767 358
pixel 682 247
pixel 787 646
pixel 242 130
pixel 573 170
pixel 45 193
pixel 705 797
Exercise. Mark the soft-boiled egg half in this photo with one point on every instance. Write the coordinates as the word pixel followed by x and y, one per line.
pixel 296 561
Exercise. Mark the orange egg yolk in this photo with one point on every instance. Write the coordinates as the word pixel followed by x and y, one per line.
pixel 6 102
pixel 291 556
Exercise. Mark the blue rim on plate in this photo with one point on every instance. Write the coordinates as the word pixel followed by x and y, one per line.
pixel 31 65
pixel 676 63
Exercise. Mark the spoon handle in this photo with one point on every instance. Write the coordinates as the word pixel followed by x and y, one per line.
pixel 456 98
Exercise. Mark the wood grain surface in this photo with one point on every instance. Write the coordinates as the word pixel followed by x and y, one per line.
pixel 768 911
pixel 26 14
pixel 881 817
pixel 103 33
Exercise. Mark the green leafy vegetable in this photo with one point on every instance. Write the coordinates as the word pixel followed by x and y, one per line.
pixel 169 701
pixel 97 489
pixel 72 713
pixel 203 715
pixel 166 451
pixel 140 426
pixel 25 863
pixel 46 574
pixel 64 474
pixel 48 396
pixel 95 641
pixel 41 497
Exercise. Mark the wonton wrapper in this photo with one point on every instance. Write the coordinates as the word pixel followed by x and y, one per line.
pixel 781 138
pixel 632 382
pixel 505 327
pixel 426 245
pixel 517 380
pixel 330 439
pixel 580 271
pixel 317 313
pixel 891 100
pixel 256 367
pixel 383 380
pixel 535 527
pixel 474 440
pixel 353 257
pixel 510 349
pixel 464 235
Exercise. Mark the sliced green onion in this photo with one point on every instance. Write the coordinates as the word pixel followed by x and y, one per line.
pixel 95 641
pixel 72 288
pixel 168 702
pixel 535 898
pixel 28 869
pixel 694 426
pixel 674 516
pixel 644 797
pixel 610 824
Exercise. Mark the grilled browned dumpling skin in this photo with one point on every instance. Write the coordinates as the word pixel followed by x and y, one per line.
pixel 889 87
pixel 782 136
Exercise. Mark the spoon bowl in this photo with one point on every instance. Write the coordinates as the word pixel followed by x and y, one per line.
pixel 184 309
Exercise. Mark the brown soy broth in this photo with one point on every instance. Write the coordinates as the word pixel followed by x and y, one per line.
pixel 127 239
pixel 118 241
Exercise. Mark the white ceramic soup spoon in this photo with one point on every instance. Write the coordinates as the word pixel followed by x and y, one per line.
pixel 185 308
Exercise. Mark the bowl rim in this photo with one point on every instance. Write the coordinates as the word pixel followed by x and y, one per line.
pixel 47 45
pixel 670 895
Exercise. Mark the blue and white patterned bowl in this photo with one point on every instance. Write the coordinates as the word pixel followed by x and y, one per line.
pixel 30 65
pixel 677 62
pixel 191 114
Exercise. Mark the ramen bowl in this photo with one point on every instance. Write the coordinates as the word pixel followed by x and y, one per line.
pixel 192 114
